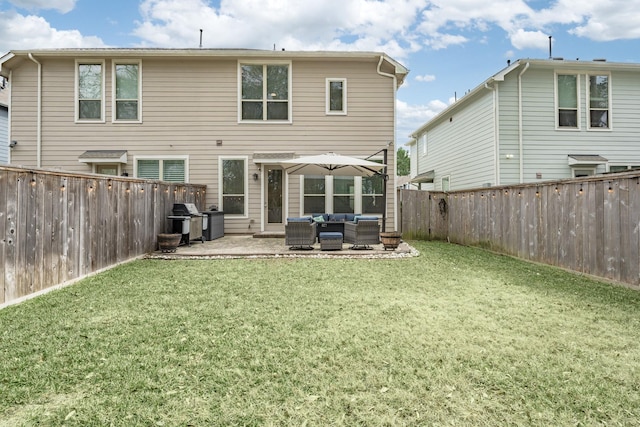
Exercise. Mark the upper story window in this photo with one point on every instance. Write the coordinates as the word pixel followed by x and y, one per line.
pixel 567 101
pixel 599 102
pixel 126 91
pixel 165 169
pixel 336 96
pixel 265 92
pixel 89 91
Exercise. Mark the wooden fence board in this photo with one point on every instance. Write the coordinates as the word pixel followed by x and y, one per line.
pixel 57 226
pixel 3 231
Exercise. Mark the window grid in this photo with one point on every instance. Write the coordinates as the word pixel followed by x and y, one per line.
pixel 89 91
pixel 336 101
pixel 233 191
pixel 265 92
pixel 127 88
pixel 599 102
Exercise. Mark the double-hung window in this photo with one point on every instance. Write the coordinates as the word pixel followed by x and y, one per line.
pixel 233 191
pixel 567 101
pixel 599 102
pixel 165 169
pixel 372 194
pixel 126 91
pixel 336 96
pixel 314 194
pixel 343 194
pixel 265 92
pixel 90 91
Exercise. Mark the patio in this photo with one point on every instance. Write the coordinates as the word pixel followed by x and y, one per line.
pixel 248 246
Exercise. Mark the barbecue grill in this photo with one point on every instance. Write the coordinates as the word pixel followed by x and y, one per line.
pixel 186 220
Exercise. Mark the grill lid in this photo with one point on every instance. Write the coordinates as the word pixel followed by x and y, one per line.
pixel 185 209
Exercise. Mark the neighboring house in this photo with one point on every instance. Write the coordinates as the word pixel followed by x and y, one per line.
pixel 224 118
pixel 4 121
pixel 535 120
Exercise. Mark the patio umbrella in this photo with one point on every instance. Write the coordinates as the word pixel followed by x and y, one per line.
pixel 332 164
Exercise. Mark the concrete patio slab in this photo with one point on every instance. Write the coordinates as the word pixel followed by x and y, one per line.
pixel 246 246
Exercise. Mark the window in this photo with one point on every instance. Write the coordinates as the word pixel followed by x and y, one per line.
pixel 171 170
pixel 343 194
pixel 89 90
pixel 567 100
pixel 622 168
pixel 107 169
pixel 234 186
pixel 372 193
pixel 265 92
pixel 577 173
pixel 314 194
pixel 126 91
pixel 599 102
pixel 336 96
pixel 445 183
pixel 423 142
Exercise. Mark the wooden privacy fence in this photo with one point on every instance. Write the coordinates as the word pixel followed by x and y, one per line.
pixel 56 227
pixel 590 225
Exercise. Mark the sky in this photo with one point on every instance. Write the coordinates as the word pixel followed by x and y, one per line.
pixel 449 46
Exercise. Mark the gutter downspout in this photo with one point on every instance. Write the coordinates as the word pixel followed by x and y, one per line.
pixel 520 137
pixel 39 115
pixel 9 126
pixel 496 135
pixel 386 176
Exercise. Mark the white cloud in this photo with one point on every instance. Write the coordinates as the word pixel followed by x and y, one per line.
pixel 426 78
pixel 522 39
pixel 411 117
pixel 606 21
pixel 62 6
pixel 326 25
pixel 439 41
pixel 34 32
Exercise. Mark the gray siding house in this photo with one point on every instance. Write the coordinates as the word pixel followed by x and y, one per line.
pixel 219 117
pixel 534 120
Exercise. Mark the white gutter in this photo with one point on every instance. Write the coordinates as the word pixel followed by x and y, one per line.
pixel 496 134
pixel 386 184
pixel 520 137
pixel 39 115
pixel 9 109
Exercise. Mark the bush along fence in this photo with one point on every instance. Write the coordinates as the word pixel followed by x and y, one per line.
pixel 589 225
pixel 56 227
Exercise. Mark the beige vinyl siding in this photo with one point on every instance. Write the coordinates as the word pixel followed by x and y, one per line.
pixel 189 103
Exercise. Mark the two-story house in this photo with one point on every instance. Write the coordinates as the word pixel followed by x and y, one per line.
pixel 534 120
pixel 224 118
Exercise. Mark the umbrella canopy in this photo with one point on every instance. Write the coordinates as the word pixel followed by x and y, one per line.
pixel 332 164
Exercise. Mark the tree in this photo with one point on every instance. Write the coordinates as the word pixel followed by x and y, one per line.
pixel 403 163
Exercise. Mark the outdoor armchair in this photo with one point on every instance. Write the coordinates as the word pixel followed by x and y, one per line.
pixel 362 232
pixel 300 233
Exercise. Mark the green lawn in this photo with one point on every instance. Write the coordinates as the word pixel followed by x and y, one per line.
pixel 456 336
